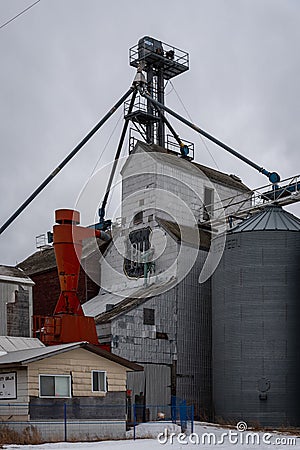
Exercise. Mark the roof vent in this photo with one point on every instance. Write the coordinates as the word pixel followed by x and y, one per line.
pixel 235 177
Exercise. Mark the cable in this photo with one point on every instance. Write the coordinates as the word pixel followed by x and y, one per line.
pixel 274 177
pixel 105 147
pixel 114 186
pixel 66 160
pixel 203 141
pixel 172 88
pixel 18 15
pixel 116 161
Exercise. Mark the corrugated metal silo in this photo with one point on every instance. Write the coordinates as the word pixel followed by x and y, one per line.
pixel 256 321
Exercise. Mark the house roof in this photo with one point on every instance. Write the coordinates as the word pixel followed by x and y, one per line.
pixel 136 298
pixel 97 305
pixel 39 261
pixel 27 356
pixel 15 275
pixel 44 260
pixel 13 343
pixel 185 234
pixel 163 155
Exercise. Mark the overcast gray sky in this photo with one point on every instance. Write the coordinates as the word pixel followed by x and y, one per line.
pixel 64 63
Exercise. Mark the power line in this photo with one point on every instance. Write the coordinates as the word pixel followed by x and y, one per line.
pixel 18 15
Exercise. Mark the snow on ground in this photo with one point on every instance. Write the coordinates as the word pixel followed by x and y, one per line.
pixel 205 436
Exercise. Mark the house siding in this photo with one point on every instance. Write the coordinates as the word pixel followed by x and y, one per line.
pixel 86 415
pixel 78 363
pixel 16 409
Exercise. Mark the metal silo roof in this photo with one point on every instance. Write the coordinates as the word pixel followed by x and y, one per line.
pixel 272 217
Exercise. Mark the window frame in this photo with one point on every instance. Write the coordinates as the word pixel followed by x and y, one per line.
pixel 138 217
pixel 105 381
pixel 55 376
pixel 208 205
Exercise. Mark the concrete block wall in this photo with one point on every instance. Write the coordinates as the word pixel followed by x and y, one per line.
pixel 15 309
pixel 187 183
pixel 19 314
pixel 113 278
pixel 138 342
pixel 7 294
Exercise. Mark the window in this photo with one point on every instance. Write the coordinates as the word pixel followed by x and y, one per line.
pixel 149 316
pixel 137 244
pixel 98 381
pixel 160 335
pixel 55 386
pixel 208 203
pixel 138 218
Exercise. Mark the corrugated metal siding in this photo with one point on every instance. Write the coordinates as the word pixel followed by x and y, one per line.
pixel 194 341
pixel 158 384
pixel 155 381
pixel 256 316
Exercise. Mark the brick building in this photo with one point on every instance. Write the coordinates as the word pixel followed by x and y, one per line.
pixel 41 267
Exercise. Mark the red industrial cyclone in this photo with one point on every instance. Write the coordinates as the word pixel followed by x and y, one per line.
pixel 68 323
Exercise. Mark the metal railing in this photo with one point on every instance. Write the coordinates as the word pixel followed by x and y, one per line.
pixel 240 206
pixel 61 420
pixel 179 414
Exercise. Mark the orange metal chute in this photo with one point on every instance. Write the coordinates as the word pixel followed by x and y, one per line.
pixel 68 323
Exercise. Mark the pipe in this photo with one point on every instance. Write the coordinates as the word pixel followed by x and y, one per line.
pixel 273 176
pixel 66 160
pixel 114 167
pixel 183 148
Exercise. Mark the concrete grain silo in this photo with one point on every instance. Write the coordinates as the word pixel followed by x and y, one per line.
pixel 256 321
